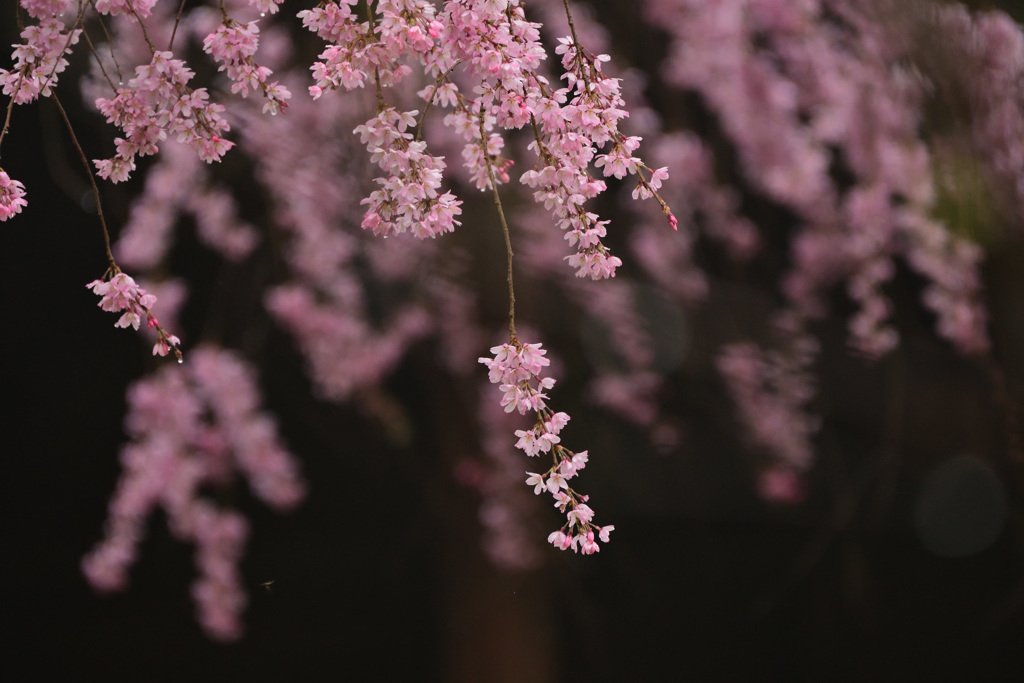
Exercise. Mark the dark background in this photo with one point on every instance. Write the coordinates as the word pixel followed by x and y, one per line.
pixel 378 576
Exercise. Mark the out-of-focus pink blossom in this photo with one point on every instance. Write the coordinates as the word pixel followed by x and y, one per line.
pixel 191 426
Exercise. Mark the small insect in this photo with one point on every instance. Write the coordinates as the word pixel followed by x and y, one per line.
pixel 267 584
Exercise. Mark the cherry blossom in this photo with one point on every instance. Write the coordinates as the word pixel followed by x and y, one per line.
pixel 233 46
pixel 12 196
pixel 155 104
pixel 816 114
pixel 39 60
pixel 517 368
pixel 121 293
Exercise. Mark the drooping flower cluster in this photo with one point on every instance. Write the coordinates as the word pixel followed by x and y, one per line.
pixel 40 59
pixel 498 48
pixel 344 352
pixel 361 50
pixel 12 196
pixel 233 46
pixel 121 293
pixel 517 370
pixel 567 145
pixel 192 427
pixel 498 45
pixel 408 198
pixel 305 162
pixel 140 9
pixel 155 104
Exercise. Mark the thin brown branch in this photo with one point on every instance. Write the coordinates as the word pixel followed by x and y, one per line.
pixel 110 43
pixel 142 27
pixel 430 100
pixel 99 62
pixel 92 181
pixel 505 231
pixel 10 105
pixel 572 26
pixel 177 20
pixel 381 104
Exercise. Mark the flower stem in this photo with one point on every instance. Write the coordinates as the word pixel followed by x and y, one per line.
pixel 504 229
pixel 92 181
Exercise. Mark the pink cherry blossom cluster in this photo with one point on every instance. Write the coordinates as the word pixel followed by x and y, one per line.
pixel 497 46
pixel 595 110
pixel 12 196
pixel 360 50
pixel 233 46
pixel 408 198
pixel 516 368
pixel 787 105
pixel 39 60
pixel 590 120
pixel 155 104
pixel 42 9
pixel 121 293
pixel 995 77
pixel 495 41
pixel 218 594
pixel 482 153
pixel 630 388
pixel 266 7
pixel 194 426
pixel 706 206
